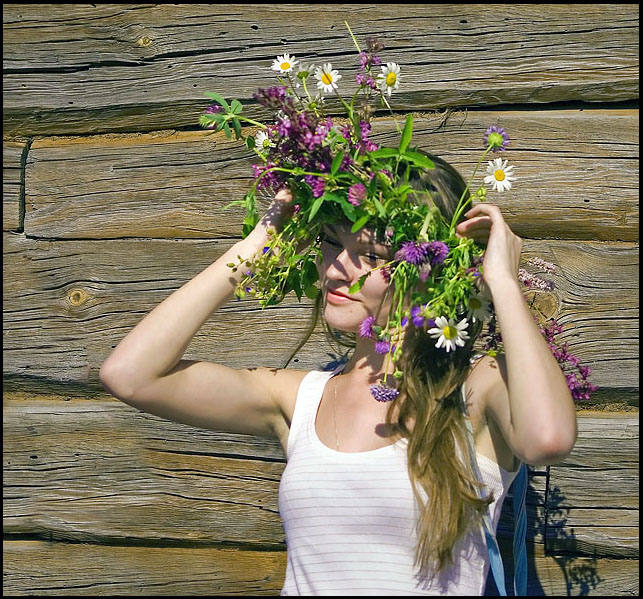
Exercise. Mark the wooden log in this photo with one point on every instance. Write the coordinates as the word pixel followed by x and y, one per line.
pixel 12 184
pixel 100 471
pixel 84 69
pixel 50 568
pixel 602 463
pixel 176 184
pixel 84 296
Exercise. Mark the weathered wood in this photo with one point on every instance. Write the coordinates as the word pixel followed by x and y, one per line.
pixel 176 184
pixel 84 296
pixel 12 152
pixel 81 69
pixel 97 470
pixel 603 463
pixel 49 568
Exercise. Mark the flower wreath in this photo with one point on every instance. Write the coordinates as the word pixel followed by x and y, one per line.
pixel 337 173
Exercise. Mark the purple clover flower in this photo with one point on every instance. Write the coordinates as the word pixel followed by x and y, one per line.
pixel 383 393
pixel 438 251
pixel 317 184
pixel 496 137
pixel 357 194
pixel 416 316
pixel 413 252
pixel 213 109
pixel 382 347
pixel 366 327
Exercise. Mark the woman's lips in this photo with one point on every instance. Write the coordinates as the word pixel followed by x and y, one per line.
pixel 337 297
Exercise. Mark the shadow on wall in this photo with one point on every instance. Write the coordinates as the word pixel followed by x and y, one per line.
pixel 580 573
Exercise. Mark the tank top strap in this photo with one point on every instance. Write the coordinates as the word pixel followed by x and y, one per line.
pixel 308 396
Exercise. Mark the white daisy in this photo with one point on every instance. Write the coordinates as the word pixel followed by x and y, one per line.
pixel 479 307
pixel 499 175
pixel 389 78
pixel 284 63
pixel 450 334
pixel 262 141
pixel 327 77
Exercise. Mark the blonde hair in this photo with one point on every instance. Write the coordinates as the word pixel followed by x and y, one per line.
pixel 430 413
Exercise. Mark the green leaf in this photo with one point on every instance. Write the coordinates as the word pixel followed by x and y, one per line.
pixel 218 98
pixel 349 209
pixel 237 128
pixel 406 134
pixel 419 159
pixel 379 207
pixel 315 207
pixel 337 161
pixel 311 292
pixel 384 153
pixel 250 142
pixel 236 106
pixel 228 133
pixel 360 223
pixel 358 285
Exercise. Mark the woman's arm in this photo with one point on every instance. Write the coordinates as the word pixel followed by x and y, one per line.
pixel 145 369
pixel 534 407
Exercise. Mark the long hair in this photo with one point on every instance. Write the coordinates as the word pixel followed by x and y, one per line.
pixel 429 411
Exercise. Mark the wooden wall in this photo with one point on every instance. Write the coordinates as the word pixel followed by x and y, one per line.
pixel 113 198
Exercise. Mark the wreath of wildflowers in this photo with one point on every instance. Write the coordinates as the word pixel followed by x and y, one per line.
pixel 336 173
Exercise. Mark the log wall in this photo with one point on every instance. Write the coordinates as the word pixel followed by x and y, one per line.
pixel 113 198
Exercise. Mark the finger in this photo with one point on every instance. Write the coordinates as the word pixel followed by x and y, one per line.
pixel 491 210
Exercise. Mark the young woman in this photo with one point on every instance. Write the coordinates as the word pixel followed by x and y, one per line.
pixel 377 497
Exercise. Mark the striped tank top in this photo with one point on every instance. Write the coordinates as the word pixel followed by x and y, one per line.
pixel 350 518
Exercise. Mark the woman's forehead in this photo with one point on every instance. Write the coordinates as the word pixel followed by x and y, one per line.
pixel 364 236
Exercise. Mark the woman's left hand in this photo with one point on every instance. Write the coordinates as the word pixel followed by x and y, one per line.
pixel 486 225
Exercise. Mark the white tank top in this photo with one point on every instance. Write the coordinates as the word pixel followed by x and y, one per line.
pixel 349 518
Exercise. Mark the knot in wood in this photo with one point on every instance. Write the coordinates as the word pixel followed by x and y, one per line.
pixel 545 304
pixel 77 296
pixel 144 41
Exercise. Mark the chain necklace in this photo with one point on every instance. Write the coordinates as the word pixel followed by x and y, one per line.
pixel 335 416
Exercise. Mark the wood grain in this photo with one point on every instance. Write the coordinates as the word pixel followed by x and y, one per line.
pixel 578 168
pixel 12 170
pixel 84 296
pixel 100 471
pixel 50 568
pixel 85 69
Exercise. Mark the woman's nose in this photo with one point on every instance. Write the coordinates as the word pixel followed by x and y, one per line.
pixel 340 265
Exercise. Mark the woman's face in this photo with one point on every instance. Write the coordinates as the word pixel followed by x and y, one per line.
pixel 346 257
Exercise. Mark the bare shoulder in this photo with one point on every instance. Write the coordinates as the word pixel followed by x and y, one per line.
pixel 284 386
pixel 488 406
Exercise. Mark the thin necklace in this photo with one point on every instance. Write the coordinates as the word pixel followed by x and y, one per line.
pixel 335 416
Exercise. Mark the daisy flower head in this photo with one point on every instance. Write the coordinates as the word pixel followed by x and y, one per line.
pixel 284 64
pixel 262 141
pixel 499 175
pixel 327 77
pixel 479 307
pixel 389 78
pixel 448 333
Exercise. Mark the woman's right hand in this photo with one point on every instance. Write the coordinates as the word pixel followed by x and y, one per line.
pixel 279 210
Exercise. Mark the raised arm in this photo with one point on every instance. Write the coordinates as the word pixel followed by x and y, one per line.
pixel 146 369
pixel 530 402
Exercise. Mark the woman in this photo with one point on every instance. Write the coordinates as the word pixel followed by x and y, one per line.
pixel 377 497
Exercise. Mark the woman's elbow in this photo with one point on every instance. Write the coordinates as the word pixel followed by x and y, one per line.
pixel 116 381
pixel 552 449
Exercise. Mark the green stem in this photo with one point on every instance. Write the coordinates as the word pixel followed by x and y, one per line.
pixel 461 204
pixel 354 40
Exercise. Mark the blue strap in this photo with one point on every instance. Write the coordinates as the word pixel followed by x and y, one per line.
pixel 520 532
